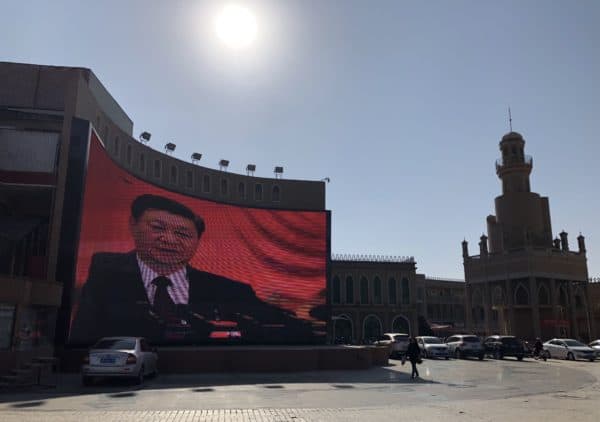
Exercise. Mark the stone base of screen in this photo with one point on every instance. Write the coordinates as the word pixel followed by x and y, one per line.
pixel 179 360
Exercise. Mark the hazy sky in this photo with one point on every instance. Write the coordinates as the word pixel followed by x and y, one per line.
pixel 400 103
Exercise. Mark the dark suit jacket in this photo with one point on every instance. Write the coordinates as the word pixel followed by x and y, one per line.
pixel 114 303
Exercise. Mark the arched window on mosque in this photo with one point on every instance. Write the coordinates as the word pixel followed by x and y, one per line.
pixel 521 296
pixel 349 290
pixel 336 290
pixel 543 296
pixel 377 291
pixel 405 292
pixel 392 291
pixel 364 291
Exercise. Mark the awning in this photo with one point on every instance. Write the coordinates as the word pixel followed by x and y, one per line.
pixel 16 228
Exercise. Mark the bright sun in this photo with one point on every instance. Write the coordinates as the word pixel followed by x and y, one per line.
pixel 236 26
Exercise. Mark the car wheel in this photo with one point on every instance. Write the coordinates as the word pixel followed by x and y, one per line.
pixel 480 357
pixel 86 381
pixel 519 358
pixel 570 356
pixel 140 377
pixel 592 359
pixel 447 357
pixel 425 355
pixel 497 354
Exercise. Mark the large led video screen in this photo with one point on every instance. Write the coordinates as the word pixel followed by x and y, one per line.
pixel 177 269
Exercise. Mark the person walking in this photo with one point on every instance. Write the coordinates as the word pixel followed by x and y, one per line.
pixel 414 355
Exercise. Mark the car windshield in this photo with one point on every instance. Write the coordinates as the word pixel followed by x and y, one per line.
pixel 511 341
pixel 432 340
pixel 398 338
pixel 115 344
pixel 472 339
pixel 574 343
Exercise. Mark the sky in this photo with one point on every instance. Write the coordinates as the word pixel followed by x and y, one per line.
pixel 401 104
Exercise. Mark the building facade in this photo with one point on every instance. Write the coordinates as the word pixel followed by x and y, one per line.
pixel 523 282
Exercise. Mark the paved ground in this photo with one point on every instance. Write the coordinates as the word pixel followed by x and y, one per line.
pixel 449 390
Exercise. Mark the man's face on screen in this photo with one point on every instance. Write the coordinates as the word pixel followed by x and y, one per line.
pixel 163 239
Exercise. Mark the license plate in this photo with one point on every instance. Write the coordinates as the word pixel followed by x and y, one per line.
pixel 107 359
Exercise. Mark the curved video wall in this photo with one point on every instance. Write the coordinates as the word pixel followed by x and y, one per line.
pixel 181 270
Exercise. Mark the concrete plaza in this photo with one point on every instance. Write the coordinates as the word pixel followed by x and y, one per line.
pixel 466 390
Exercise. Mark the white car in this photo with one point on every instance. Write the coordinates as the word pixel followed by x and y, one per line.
pixel 463 345
pixel 398 343
pixel 124 357
pixel 566 348
pixel 432 347
pixel 596 346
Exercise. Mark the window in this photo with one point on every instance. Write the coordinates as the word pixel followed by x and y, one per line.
pixel 364 291
pixel 521 296
pixel 276 194
pixel 258 192
pixel 7 316
pixel 377 291
pixel 142 163
pixel 173 175
pixel 189 179
pixel 336 290
pixel 392 291
pixel 349 290
pixel 206 183
pixel 128 155
pixel 242 190
pixel 224 187
pixel 405 292
pixel 157 169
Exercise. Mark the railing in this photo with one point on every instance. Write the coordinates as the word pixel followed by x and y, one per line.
pixel 513 161
pixel 372 258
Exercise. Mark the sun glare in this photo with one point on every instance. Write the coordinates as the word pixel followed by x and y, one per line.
pixel 236 26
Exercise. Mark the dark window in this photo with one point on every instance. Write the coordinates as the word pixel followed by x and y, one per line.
pixel 349 290
pixel 157 169
pixel 189 179
pixel 224 187
pixel 276 194
pixel 142 163
pixel 336 290
pixel 7 316
pixel 206 183
pixel 242 190
pixel 578 302
pixel 258 192
pixel 392 291
pixel 521 296
pixel 405 292
pixel 174 175
pixel 128 155
pixel 364 291
pixel 377 291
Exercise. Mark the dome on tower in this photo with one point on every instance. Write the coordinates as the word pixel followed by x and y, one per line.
pixel 512 135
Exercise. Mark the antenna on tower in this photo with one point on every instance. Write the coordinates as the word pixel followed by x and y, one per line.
pixel 509 119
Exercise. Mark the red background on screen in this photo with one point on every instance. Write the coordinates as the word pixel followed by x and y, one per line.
pixel 281 254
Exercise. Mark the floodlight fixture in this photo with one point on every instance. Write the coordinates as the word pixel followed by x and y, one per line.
pixel 250 169
pixel 278 172
pixel 196 157
pixel 145 137
pixel 170 147
pixel 223 164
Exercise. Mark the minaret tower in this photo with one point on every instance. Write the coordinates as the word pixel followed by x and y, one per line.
pixel 522 217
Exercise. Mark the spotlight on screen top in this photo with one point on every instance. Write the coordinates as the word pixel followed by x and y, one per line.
pixel 196 157
pixel 145 137
pixel 278 172
pixel 250 168
pixel 170 147
pixel 223 164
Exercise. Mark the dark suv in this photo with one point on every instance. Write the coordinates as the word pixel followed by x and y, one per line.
pixel 500 346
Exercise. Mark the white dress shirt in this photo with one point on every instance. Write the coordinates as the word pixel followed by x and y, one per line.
pixel 178 290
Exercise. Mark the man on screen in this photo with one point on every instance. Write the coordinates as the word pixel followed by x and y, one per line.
pixel 153 292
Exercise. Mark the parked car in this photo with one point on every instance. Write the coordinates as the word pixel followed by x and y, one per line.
pixel 398 343
pixel 596 346
pixel 463 345
pixel 570 349
pixel 123 357
pixel 500 346
pixel 432 347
